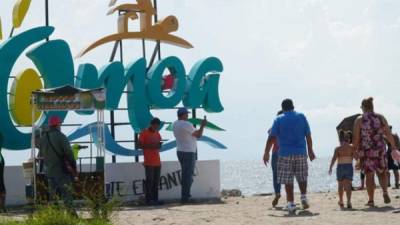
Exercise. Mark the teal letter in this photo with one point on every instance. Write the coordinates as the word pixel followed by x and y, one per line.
pixel 87 78
pixel 114 80
pixel 9 53
pixel 54 61
pixel 138 104
pixel 203 87
pixel 157 98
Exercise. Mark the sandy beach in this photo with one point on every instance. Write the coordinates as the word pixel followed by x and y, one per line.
pixel 258 210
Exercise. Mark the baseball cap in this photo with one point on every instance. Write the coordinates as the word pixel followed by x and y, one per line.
pixel 182 111
pixel 54 121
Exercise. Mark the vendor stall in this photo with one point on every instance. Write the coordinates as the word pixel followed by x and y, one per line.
pixel 68 98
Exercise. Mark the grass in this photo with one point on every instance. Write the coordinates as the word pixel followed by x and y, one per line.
pixel 51 215
pixel 98 207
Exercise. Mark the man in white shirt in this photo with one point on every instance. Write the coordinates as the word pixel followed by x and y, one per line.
pixel 186 141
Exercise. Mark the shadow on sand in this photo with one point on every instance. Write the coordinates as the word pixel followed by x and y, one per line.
pixel 171 205
pixel 298 213
pixel 304 213
pixel 379 209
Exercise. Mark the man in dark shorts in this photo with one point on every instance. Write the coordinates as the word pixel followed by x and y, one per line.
pixel 292 131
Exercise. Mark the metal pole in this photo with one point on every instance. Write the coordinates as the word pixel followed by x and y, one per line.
pixel 11 32
pixel 144 48
pixel 158 46
pixel 136 146
pixel 136 134
pixel 103 145
pixel 33 151
pixel 114 157
pixel 153 56
pixel 112 116
pixel 47 15
pixel 121 52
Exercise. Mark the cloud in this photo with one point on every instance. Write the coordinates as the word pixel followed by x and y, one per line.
pixel 346 32
pixel 295 49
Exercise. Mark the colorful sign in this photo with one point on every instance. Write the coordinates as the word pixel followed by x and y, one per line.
pixel 194 88
pixel 69 98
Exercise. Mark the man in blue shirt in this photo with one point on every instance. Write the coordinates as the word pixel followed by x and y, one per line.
pixel 293 134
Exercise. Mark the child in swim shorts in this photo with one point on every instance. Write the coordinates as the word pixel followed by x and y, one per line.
pixel 344 154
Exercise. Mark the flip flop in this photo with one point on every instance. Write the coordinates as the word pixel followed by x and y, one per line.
pixel 275 201
pixel 341 205
pixel 370 204
pixel 386 198
pixel 349 206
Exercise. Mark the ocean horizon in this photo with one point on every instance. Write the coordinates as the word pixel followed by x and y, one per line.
pixel 252 177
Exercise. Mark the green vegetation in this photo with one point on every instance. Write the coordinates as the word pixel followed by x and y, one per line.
pixel 55 216
pixel 99 209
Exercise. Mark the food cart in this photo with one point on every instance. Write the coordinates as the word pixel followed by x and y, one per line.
pixel 57 101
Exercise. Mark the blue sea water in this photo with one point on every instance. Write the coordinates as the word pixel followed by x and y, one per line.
pixel 252 177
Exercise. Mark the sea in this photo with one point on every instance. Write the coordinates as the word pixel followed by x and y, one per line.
pixel 253 177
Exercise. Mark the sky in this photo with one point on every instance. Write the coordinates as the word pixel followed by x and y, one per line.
pixel 325 55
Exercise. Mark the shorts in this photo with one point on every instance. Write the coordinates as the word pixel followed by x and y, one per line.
pixel 290 167
pixel 344 172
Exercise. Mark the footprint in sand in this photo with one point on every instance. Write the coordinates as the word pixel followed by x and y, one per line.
pixel 158 219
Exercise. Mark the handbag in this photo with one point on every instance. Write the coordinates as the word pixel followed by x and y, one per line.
pixel 68 166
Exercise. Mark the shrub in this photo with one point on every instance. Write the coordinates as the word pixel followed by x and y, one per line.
pixel 51 215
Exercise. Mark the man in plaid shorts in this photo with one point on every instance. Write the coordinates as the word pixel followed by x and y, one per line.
pixel 292 132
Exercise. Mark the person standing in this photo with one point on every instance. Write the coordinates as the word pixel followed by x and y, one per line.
pixel 2 185
pixel 391 163
pixel 344 154
pixel 362 178
pixel 56 151
pixel 292 131
pixel 370 131
pixel 274 165
pixel 150 142
pixel 186 142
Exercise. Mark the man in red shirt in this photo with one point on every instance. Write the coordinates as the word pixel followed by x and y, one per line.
pixel 150 142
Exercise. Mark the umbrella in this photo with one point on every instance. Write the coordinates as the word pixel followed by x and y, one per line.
pixel 347 123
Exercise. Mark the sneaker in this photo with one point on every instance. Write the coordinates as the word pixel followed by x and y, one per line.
pixel 304 203
pixel 291 207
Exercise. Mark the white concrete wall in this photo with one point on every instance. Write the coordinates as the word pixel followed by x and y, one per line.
pixel 206 182
pixel 15 185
